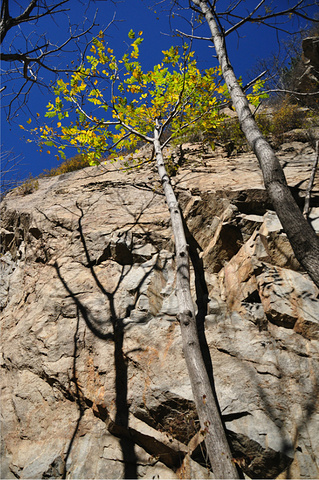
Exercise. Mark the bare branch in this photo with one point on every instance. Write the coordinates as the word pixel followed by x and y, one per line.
pixel 26 14
pixel 26 64
pixel 263 19
pixel 8 22
pixel 136 132
pixel 292 92
pixel 249 84
pixel 26 59
pixel 246 19
pixel 193 37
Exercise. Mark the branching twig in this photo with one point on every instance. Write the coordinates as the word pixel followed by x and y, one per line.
pixel 193 37
pixel 291 92
pixel 244 20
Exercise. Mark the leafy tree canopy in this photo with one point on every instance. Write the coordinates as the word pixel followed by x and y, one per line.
pixel 111 103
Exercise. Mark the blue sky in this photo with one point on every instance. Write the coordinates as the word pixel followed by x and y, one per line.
pixel 254 43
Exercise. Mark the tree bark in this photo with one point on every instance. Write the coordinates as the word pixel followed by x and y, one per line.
pixel 310 184
pixel 302 237
pixel 211 424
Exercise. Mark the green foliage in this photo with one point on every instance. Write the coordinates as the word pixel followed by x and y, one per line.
pixel 229 135
pixel 285 118
pixel 116 103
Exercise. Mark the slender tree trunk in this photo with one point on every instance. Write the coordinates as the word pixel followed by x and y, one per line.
pixel 310 184
pixel 302 237
pixel 215 438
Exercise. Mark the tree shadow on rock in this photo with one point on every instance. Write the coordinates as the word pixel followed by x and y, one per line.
pixel 120 425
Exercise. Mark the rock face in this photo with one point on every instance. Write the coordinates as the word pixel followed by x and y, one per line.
pixel 94 382
pixel 309 80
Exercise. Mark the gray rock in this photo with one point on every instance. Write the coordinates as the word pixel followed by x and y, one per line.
pixel 94 381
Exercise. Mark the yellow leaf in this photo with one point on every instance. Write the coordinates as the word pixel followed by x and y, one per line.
pixel 29 121
pixel 38 115
pixel 48 151
pixel 21 126
pixel 59 124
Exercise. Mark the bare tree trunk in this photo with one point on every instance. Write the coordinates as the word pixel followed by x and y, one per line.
pixel 215 438
pixel 302 237
pixel 306 207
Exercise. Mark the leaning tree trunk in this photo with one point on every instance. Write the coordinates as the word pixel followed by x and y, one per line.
pixel 215 438
pixel 302 237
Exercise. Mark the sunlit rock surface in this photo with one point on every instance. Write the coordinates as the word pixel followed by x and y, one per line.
pixel 94 381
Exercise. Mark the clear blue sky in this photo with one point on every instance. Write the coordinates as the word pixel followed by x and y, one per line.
pixel 254 43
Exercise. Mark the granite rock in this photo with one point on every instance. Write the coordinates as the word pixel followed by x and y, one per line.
pixel 94 381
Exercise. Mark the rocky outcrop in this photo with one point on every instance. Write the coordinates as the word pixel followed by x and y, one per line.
pixel 310 47
pixel 94 383
pixel 309 80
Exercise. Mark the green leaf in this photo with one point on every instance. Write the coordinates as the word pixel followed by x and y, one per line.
pixel 82 117
pixel 131 34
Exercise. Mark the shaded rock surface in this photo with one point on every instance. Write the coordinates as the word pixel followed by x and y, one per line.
pixel 94 382
pixel 309 80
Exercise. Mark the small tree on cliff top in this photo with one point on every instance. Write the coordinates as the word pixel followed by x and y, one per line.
pixel 175 92
pixel 142 106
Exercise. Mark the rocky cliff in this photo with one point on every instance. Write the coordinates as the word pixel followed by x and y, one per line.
pixel 94 383
pixel 309 79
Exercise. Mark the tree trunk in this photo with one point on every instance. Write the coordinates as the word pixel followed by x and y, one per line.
pixel 310 184
pixel 302 237
pixel 215 438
